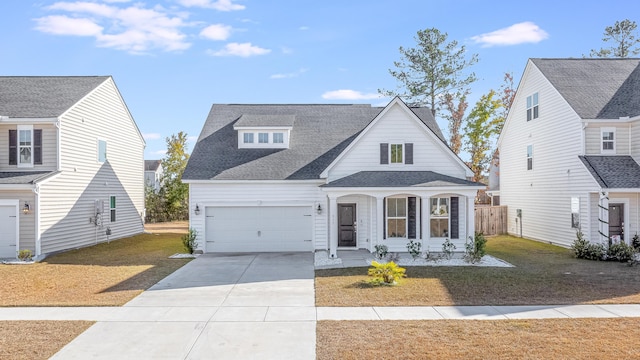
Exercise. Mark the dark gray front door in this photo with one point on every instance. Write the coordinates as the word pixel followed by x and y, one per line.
pixel 346 225
pixel 616 220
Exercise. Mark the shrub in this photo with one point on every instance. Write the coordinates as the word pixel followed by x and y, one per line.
pixel 447 248
pixel 189 241
pixel 414 248
pixel 25 255
pixel 385 274
pixel 620 252
pixel 475 248
pixel 583 249
pixel 380 251
pixel 635 242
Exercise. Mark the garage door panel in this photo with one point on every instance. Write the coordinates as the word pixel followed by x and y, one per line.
pixel 8 218
pixel 258 229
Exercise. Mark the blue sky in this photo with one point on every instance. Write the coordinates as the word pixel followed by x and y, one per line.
pixel 172 59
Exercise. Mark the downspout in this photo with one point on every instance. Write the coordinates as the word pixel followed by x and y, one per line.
pixel 36 191
pixel 58 125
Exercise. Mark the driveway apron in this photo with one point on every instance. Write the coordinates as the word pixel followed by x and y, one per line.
pixel 236 306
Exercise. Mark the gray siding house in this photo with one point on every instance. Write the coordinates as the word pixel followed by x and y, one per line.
pixel 570 151
pixel 71 164
pixel 326 177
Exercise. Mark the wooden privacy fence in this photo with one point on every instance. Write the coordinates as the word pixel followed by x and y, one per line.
pixel 491 220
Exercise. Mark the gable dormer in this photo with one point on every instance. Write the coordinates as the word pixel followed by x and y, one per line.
pixel 264 131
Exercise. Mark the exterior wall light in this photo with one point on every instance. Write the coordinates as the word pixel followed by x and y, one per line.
pixel 319 209
pixel 26 209
pixel 197 210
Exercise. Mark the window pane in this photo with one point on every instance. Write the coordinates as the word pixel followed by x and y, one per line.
pixel 529 163
pixel 397 228
pixel 25 137
pixel 391 207
pixel 401 207
pixel 439 227
pixel 113 202
pixel 535 112
pixel 535 99
pixel 278 138
pixel 396 153
pixel 248 138
pixel 434 206
pixel 528 102
pixel 528 114
pixel 25 155
pixel 607 136
pixel 529 151
pixel 113 215
pixel 607 145
pixel 263 138
pixel 102 150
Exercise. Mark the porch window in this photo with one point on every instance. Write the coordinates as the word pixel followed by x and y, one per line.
pixel 439 217
pixel 396 217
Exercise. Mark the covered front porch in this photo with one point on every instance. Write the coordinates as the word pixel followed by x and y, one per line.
pixel 371 208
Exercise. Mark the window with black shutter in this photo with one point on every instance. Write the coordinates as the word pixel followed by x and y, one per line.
pixel 408 153
pixel 13 147
pixel 37 146
pixel 455 215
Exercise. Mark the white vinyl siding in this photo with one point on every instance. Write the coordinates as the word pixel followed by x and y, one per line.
pixel 623 141
pixel 27 237
pixel 67 200
pixel 634 133
pixel 544 195
pixel 49 148
pixel 428 155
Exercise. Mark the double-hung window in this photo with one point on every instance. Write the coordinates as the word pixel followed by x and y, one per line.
pixel 532 107
pixel 112 208
pixel 608 136
pixel 396 217
pixel 439 223
pixel 102 151
pixel 25 145
pixel 530 157
pixel 396 155
pixel 263 138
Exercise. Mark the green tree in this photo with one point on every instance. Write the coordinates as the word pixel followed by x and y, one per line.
pixel 432 69
pixel 174 191
pixel 624 38
pixel 480 128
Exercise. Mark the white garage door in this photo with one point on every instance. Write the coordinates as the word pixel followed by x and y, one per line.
pixel 8 231
pixel 258 229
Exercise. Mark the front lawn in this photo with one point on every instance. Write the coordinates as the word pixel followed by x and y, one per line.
pixel 35 340
pixel 543 275
pixel 479 339
pixel 108 274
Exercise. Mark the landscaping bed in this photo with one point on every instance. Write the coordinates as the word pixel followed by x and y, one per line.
pixel 543 275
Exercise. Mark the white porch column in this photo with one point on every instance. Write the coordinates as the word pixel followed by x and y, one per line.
pixel 603 218
pixel 471 217
pixel 379 219
pixel 425 212
pixel 333 227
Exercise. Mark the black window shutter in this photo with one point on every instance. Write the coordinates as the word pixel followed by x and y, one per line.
pixel 384 153
pixel 408 153
pixel 412 217
pixel 13 147
pixel 384 218
pixel 455 214
pixel 37 146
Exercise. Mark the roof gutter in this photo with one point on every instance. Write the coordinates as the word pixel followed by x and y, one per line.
pixel 34 120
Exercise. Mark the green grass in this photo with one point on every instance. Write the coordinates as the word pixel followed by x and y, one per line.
pixel 543 274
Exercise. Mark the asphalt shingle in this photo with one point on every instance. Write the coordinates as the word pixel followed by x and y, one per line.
pixel 23 177
pixel 399 179
pixel 612 172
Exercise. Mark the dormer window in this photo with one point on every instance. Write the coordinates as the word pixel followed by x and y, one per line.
pixel 608 136
pixel 263 138
pixel 278 138
pixel 248 138
pixel 264 131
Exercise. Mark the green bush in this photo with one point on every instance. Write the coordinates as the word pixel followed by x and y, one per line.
pixel 414 248
pixel 583 249
pixel 385 274
pixel 620 252
pixel 476 248
pixel 635 242
pixel 189 241
pixel 380 251
pixel 25 255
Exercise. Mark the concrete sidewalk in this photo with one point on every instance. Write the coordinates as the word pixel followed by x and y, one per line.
pixel 274 314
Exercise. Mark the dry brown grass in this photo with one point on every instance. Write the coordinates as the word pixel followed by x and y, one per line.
pixel 544 274
pixel 478 339
pixel 33 340
pixel 175 227
pixel 102 275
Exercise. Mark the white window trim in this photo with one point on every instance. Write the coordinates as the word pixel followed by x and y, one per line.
pixel 390 152
pixel 405 217
pixel 270 144
pixel 437 216
pixel 529 157
pixel 604 130
pixel 106 150
pixel 18 147
pixel 533 106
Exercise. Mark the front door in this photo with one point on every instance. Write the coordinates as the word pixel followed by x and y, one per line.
pixel 616 220
pixel 347 225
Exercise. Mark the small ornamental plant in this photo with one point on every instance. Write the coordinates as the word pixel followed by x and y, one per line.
pixel 25 255
pixel 414 248
pixel 385 274
pixel 475 248
pixel 380 251
pixel 189 241
pixel 448 248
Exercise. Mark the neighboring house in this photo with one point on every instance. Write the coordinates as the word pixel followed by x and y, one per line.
pixel 326 177
pixel 153 173
pixel 71 164
pixel 569 151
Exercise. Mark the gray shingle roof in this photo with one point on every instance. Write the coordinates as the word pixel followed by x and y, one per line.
pixel 250 120
pixel 151 165
pixel 596 88
pixel 613 172
pixel 23 177
pixel 399 179
pixel 319 135
pixel 43 96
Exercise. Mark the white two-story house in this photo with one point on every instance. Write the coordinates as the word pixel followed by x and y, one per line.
pixel 326 177
pixel 71 164
pixel 570 149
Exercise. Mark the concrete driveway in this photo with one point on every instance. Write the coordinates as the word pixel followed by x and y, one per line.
pixel 240 306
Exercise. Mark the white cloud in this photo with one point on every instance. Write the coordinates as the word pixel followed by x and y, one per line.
pixel 520 33
pixel 64 25
pixel 132 28
pixel 288 75
pixel 159 152
pixel 220 5
pixel 237 49
pixel 349 95
pixel 151 136
pixel 216 32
